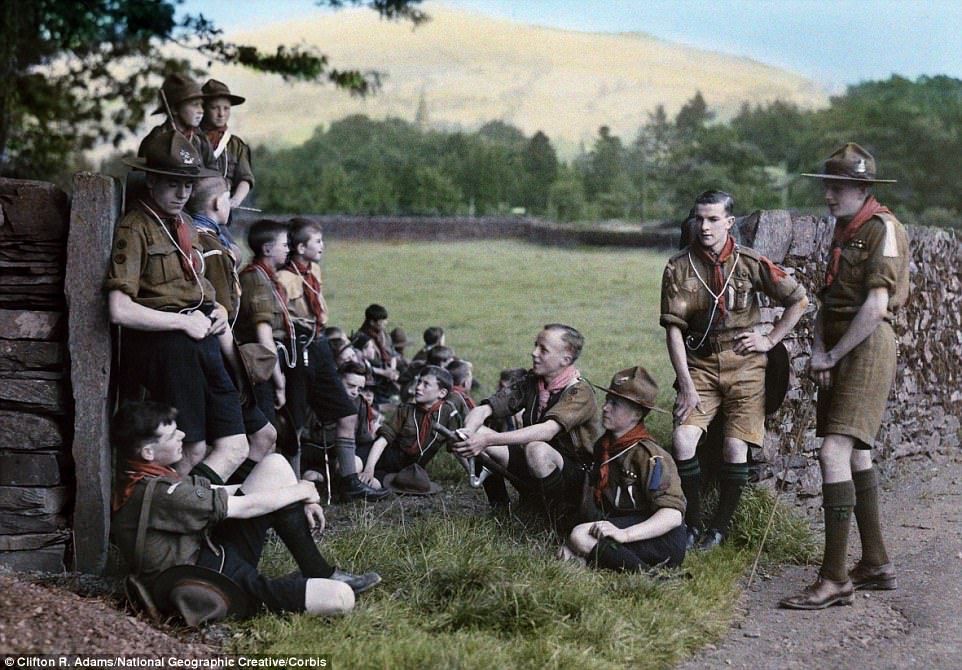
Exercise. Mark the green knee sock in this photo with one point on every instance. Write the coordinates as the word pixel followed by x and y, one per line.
pixel 867 517
pixel 838 499
pixel 690 473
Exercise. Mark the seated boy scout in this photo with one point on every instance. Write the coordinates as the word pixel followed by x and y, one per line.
pixel 854 363
pixel 711 316
pixel 156 291
pixel 231 153
pixel 162 520
pixel 552 449
pixel 637 492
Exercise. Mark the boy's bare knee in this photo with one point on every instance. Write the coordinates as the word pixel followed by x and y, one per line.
pixel 262 442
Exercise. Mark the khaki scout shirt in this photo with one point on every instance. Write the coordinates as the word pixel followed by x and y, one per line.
pixel 220 268
pixel 145 264
pixel 296 298
pixel 877 256
pixel 642 481
pixel 235 163
pixel 259 303
pixel 402 428
pixel 686 302
pixel 574 408
pixel 182 513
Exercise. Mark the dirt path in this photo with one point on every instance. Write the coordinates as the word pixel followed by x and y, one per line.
pixel 917 626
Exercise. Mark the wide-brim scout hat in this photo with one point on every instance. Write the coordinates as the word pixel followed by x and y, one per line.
pixel 177 88
pixel 199 595
pixel 399 338
pixel 218 89
pixel 412 480
pixel 850 162
pixel 635 385
pixel 169 153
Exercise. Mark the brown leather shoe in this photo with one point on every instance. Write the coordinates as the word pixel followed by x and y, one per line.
pixel 823 593
pixel 876 577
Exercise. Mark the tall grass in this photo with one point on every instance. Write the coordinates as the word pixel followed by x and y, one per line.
pixel 463 589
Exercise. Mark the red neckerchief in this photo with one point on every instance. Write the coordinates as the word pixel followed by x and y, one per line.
pixel 606 447
pixel 303 270
pixel 424 428
pixel 181 233
pixel 214 134
pixel 716 261
pixel 843 234
pixel 265 267
pixel 378 338
pixel 463 392
pixel 131 473
pixel 559 383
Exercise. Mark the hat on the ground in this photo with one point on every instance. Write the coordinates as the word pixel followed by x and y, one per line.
pixel 635 385
pixel 412 480
pixel 168 152
pixel 199 595
pixel 177 88
pixel 218 89
pixel 399 338
pixel 850 162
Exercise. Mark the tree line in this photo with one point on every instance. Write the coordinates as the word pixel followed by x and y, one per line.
pixel 362 166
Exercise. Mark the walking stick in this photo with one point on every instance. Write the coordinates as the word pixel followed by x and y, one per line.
pixel 485 460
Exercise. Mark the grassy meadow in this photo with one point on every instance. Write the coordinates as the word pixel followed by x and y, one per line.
pixel 463 588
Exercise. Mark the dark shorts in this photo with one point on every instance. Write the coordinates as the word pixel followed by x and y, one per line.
pixel 264 401
pixel 667 549
pixel 572 473
pixel 391 460
pixel 254 418
pixel 316 386
pixel 188 374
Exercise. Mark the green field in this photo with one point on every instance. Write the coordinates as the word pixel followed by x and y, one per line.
pixel 464 589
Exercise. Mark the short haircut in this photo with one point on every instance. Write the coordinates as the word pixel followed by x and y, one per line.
pixel 512 375
pixel 301 229
pixel 439 354
pixel 263 232
pixel 206 190
pixel 352 368
pixel 374 313
pixel 333 332
pixel 433 335
pixel 574 341
pixel 460 369
pixel 717 198
pixel 443 376
pixel 136 423
pixel 360 340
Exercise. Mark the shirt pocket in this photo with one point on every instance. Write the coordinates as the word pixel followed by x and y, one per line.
pixel 852 267
pixel 742 293
pixel 163 265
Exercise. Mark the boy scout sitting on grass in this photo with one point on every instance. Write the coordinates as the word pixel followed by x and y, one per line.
pixel 231 153
pixel 167 310
pixel 191 543
pixel 711 318
pixel 407 437
pixel 637 499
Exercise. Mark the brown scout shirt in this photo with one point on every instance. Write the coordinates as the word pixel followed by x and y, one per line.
pixel 296 300
pixel 235 163
pixel 402 427
pixel 877 256
pixel 182 513
pixel 145 264
pixel 574 408
pixel 686 302
pixel 641 482
pixel 259 304
pixel 220 268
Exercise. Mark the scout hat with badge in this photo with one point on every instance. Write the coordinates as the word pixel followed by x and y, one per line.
pixel 850 162
pixel 178 88
pixel 199 595
pixel 635 385
pixel 218 89
pixel 168 152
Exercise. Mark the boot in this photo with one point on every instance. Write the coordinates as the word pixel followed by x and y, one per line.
pixel 352 488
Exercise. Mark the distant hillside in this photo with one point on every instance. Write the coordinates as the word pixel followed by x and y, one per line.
pixel 470 69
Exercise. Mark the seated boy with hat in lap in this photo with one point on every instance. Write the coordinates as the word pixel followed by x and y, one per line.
pixel 190 543
pixel 638 501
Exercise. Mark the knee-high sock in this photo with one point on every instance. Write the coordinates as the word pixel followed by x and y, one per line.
pixel 240 474
pixel 867 517
pixel 690 473
pixel 344 449
pixel 734 476
pixel 291 526
pixel 496 491
pixel 838 499
pixel 204 470
pixel 614 556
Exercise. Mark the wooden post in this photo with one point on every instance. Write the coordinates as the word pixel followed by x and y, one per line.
pixel 94 211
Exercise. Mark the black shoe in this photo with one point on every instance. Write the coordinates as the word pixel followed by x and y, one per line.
pixel 358 583
pixel 694 534
pixel 352 488
pixel 711 539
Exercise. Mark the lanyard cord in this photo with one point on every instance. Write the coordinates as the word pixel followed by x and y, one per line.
pixel 716 298
pixel 190 263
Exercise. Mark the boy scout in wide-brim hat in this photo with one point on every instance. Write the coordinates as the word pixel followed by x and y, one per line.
pixel 634 385
pixel 177 88
pixel 169 153
pixel 850 162
pixel 218 89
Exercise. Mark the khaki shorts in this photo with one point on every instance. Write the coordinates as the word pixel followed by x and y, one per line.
pixel 735 385
pixel 861 383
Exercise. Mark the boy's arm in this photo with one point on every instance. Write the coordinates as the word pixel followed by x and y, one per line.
pixel 264 502
pixel 380 444
pixel 688 400
pixel 237 197
pixel 127 313
pixel 266 337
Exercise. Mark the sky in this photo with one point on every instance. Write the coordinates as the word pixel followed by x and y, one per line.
pixel 819 39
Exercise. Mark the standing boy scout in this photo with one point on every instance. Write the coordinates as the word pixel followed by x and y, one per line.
pixel 711 315
pixel 157 292
pixel 853 362
pixel 231 153
pixel 182 100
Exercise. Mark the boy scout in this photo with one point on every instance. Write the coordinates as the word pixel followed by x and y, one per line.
pixel 853 362
pixel 559 423
pixel 181 98
pixel 637 491
pixel 231 153
pixel 711 315
pixel 156 291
